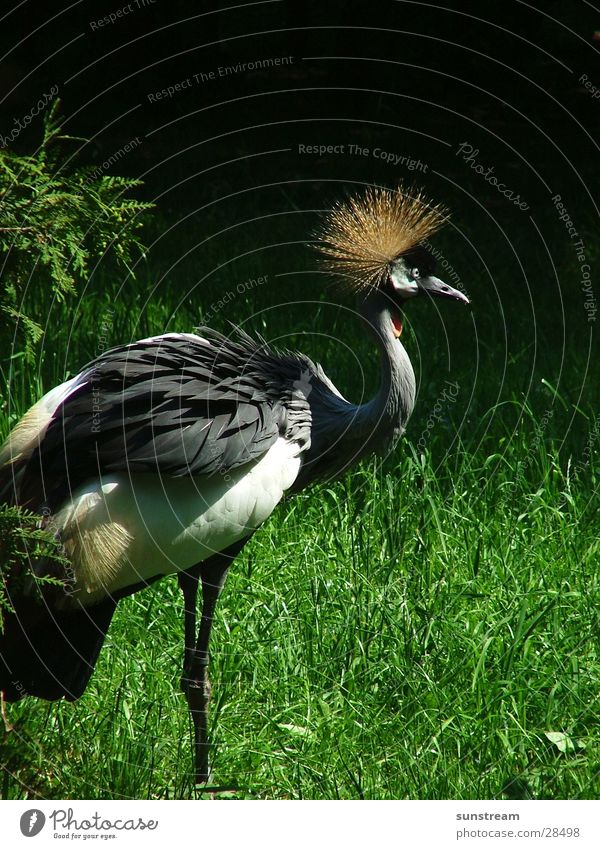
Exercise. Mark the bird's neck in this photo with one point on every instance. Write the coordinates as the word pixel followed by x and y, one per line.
pixel 386 415
pixel 343 433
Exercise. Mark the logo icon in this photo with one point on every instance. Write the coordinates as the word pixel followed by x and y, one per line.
pixel 32 822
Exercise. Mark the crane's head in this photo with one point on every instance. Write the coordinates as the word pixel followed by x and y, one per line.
pixel 376 241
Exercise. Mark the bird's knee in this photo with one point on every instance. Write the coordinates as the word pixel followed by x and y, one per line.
pixel 198 694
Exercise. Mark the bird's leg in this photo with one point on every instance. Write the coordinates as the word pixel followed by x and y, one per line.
pixel 213 576
pixel 188 583
pixel 195 682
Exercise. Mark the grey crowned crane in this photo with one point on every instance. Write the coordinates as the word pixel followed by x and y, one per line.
pixel 164 456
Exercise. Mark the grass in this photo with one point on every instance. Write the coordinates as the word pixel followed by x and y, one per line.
pixel 425 628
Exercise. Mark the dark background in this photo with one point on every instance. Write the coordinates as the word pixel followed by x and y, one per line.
pixel 221 157
pixel 413 75
pixel 488 540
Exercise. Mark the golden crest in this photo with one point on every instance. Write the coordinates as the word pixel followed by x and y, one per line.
pixel 363 235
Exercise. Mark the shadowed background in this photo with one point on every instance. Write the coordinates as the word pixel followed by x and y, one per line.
pixel 245 122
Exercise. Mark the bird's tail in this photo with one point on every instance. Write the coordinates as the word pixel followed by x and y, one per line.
pixel 49 653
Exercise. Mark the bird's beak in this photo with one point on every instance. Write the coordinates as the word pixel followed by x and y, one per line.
pixel 437 288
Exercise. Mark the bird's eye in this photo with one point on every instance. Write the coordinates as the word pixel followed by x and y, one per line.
pixel 416 273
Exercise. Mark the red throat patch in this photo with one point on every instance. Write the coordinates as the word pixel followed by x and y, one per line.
pixel 397 322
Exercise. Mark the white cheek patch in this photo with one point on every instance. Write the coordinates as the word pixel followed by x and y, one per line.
pixel 404 287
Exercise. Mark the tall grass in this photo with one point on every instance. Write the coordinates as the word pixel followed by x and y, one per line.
pixel 425 628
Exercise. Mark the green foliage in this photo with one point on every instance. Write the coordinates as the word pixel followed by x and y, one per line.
pixel 428 629
pixel 56 219
pixel 425 629
pixel 405 633
pixel 22 543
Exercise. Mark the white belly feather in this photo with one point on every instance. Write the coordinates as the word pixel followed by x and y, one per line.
pixel 126 529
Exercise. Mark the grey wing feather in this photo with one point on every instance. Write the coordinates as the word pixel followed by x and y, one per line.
pixel 175 405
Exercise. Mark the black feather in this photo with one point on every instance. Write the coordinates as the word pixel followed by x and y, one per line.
pixel 172 405
pixel 49 653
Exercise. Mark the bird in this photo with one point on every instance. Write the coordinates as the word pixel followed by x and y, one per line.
pixel 164 456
